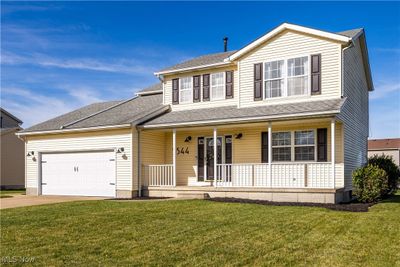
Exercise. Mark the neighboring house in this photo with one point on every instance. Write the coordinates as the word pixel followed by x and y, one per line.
pixel 388 147
pixel 284 118
pixel 12 152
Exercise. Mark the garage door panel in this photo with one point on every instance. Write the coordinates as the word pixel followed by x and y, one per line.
pixel 87 174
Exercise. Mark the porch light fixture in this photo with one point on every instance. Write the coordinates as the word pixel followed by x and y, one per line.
pixel 238 136
pixel 188 139
pixel 120 150
pixel 30 154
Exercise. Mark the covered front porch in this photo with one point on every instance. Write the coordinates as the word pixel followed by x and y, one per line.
pixel 302 155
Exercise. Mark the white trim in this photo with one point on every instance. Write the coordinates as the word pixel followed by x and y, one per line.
pixel 247 119
pixel 97 128
pixel 155 92
pixel 174 156
pixel 193 68
pixel 333 122
pixel 270 152
pixel 215 155
pixel 287 26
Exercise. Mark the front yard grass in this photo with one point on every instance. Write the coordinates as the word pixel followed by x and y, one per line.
pixel 206 233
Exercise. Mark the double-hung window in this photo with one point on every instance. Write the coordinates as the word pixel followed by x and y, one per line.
pixel 286 77
pixel 186 90
pixel 281 146
pixel 304 145
pixel 297 76
pixel 274 78
pixel 217 86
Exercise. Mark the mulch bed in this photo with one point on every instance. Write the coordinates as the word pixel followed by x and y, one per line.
pixel 353 207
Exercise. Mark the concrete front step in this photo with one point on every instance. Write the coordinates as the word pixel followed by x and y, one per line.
pixel 192 195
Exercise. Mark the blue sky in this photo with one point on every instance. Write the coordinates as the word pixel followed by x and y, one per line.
pixel 58 56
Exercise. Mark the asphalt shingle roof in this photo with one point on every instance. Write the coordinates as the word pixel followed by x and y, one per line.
pixel 103 114
pixel 232 112
pixel 152 88
pixel 350 33
pixel 201 61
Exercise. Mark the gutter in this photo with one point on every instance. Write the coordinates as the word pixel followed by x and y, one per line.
pixel 192 68
pixel 88 129
pixel 242 120
pixel 149 93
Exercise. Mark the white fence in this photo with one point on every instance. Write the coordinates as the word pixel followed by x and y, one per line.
pixel 159 175
pixel 283 175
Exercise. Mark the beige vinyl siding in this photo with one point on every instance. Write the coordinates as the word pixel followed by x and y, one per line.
pixel 289 44
pixel 201 104
pixel 355 114
pixel 111 139
pixel 244 150
pixel 153 152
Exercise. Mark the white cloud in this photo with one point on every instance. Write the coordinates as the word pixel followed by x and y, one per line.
pixel 116 66
pixel 385 89
pixel 33 107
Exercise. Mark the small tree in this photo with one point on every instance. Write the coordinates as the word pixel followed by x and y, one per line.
pixel 392 170
pixel 370 182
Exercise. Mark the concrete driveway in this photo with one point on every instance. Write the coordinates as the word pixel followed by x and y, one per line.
pixel 24 200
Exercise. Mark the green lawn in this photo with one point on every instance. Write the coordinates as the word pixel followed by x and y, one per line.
pixel 195 232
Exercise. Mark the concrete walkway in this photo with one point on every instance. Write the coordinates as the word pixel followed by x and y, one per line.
pixel 24 200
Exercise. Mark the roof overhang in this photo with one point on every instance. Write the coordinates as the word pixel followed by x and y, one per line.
pixel 88 129
pixel 11 115
pixel 330 113
pixel 365 58
pixel 202 67
pixel 281 28
pixel 149 93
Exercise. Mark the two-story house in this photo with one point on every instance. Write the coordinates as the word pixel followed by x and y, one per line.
pixel 284 118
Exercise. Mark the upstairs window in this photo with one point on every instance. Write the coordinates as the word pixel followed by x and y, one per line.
pixel 286 77
pixel 186 90
pixel 274 80
pixel 217 86
pixel 297 78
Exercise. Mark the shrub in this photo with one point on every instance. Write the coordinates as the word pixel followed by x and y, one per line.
pixel 392 170
pixel 370 182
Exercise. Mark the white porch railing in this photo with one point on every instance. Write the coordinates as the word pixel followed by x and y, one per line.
pixel 159 175
pixel 283 175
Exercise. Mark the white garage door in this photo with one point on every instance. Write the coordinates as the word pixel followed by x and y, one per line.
pixel 79 174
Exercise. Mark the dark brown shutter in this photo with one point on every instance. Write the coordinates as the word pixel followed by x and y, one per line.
pixel 228 149
pixel 264 147
pixel 175 91
pixel 322 144
pixel 258 83
pixel 206 87
pixel 200 158
pixel 229 84
pixel 196 88
pixel 315 74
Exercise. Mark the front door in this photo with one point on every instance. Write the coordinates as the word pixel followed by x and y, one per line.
pixel 210 156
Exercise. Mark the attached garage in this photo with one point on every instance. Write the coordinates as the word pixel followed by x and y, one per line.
pixel 79 173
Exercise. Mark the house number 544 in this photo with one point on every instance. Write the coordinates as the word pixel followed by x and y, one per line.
pixel 182 150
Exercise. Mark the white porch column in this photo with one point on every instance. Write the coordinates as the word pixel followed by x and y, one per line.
pixel 270 153
pixel 215 157
pixel 174 156
pixel 333 152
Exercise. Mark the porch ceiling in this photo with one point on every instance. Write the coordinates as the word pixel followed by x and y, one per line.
pixel 232 114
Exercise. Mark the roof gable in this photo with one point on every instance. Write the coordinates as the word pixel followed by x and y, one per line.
pixel 286 26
